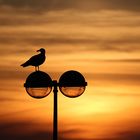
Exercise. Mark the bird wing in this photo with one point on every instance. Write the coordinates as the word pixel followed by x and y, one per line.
pixel 32 61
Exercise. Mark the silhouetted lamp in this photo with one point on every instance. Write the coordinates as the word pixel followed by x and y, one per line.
pixel 38 84
pixel 72 84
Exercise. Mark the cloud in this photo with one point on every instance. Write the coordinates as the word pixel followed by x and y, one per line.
pixel 27 4
pixel 45 5
pixel 124 135
pixel 104 30
pixel 129 135
pixel 128 44
pixel 33 131
pixel 23 130
pixel 124 78
pixel 122 61
pixel 11 99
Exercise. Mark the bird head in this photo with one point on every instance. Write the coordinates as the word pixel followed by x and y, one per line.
pixel 41 50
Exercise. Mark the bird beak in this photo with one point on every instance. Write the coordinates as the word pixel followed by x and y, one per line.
pixel 38 50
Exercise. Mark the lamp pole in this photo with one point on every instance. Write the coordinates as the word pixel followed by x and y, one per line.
pixel 39 85
pixel 55 125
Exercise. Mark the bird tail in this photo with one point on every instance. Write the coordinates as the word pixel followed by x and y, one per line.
pixel 24 65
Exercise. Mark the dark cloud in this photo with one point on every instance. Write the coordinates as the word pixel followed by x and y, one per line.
pixel 29 4
pixel 124 135
pixel 19 131
pixel 123 60
pixel 28 130
pixel 129 135
pixel 123 78
pixel 15 19
pixel 11 99
pixel 74 4
pixel 116 79
pixel 127 44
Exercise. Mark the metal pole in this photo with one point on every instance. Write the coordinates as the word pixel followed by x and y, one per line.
pixel 55 131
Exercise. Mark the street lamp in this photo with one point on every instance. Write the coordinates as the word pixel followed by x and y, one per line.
pixel 39 85
pixel 72 84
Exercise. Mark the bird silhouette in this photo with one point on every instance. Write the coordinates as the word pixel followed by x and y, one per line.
pixel 36 60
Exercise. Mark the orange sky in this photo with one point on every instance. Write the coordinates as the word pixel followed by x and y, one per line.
pixel 97 38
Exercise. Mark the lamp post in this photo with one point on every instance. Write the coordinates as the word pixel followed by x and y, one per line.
pixel 39 85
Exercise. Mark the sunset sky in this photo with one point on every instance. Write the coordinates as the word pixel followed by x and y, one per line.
pixel 100 39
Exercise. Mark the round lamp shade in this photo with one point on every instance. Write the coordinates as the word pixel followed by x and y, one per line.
pixel 38 84
pixel 72 84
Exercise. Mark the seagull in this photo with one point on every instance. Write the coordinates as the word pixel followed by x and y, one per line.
pixel 36 60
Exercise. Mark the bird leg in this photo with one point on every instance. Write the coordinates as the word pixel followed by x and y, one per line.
pixel 38 68
pixel 35 68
